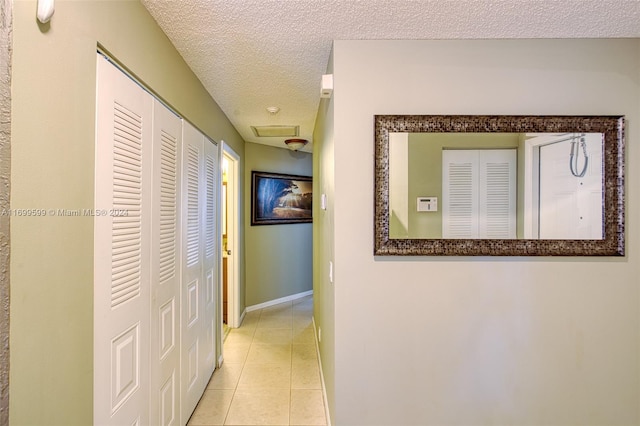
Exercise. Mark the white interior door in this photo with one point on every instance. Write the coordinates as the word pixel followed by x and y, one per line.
pixel 571 206
pixel 211 243
pixel 165 269
pixel 121 235
pixel 233 245
pixel 199 265
pixel 192 267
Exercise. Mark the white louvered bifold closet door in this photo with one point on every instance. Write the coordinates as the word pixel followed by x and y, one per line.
pixel 199 277
pixel 121 239
pixel 165 269
pixel 211 243
pixel 479 193
pixel 156 250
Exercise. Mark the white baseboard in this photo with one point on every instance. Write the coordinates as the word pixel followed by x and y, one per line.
pixel 277 301
pixel 242 317
pixel 324 388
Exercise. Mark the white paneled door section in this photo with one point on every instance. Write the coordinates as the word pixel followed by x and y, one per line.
pixel 122 244
pixel 165 268
pixel 200 163
pixel 156 250
pixel 211 246
pixel 570 205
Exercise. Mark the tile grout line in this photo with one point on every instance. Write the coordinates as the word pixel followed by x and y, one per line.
pixel 244 363
pixel 291 366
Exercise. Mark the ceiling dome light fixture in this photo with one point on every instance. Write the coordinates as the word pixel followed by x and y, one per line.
pixel 295 144
pixel 273 110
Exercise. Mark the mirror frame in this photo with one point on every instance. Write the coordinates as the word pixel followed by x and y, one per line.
pixel 612 127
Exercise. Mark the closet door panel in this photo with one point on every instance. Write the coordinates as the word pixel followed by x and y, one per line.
pixel 121 239
pixel 192 269
pixel 165 268
pixel 479 193
pixel 459 194
pixel 211 244
pixel 497 198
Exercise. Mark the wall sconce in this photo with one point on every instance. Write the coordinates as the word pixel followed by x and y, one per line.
pixel 295 144
pixel 45 10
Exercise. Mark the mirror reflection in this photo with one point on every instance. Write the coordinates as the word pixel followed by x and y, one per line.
pixel 496 185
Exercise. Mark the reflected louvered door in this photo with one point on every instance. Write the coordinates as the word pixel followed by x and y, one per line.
pixel 211 243
pixel 479 193
pixel 121 238
pixel 459 194
pixel 192 269
pixel 497 193
pixel 165 269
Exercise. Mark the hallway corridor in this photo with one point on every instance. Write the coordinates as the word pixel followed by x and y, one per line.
pixel 270 374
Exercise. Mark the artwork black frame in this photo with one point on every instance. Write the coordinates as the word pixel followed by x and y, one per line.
pixel 278 198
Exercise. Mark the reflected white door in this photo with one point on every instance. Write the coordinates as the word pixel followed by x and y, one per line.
pixel 571 207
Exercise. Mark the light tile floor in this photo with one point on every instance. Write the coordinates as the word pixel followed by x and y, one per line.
pixel 270 374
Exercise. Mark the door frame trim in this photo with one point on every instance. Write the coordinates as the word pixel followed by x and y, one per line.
pixel 233 225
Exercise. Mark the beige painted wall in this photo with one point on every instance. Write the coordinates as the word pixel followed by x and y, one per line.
pixel 459 340
pixel 53 167
pixel 279 256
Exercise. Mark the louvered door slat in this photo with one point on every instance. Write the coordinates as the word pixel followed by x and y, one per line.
pixel 193 205
pixel 210 217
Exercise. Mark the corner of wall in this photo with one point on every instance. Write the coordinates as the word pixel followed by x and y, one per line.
pixel 6 17
pixel 323 243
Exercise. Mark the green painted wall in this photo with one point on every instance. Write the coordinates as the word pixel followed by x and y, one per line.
pixel 279 256
pixel 53 108
pixel 323 242
pixel 425 171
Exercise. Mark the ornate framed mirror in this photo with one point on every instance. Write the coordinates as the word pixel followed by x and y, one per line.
pixel 466 185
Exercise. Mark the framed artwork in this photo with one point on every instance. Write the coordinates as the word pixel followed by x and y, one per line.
pixel 278 198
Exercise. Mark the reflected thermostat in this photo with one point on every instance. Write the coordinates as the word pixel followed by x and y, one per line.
pixel 427 204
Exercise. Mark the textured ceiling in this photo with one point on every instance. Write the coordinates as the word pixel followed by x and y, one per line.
pixel 252 54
